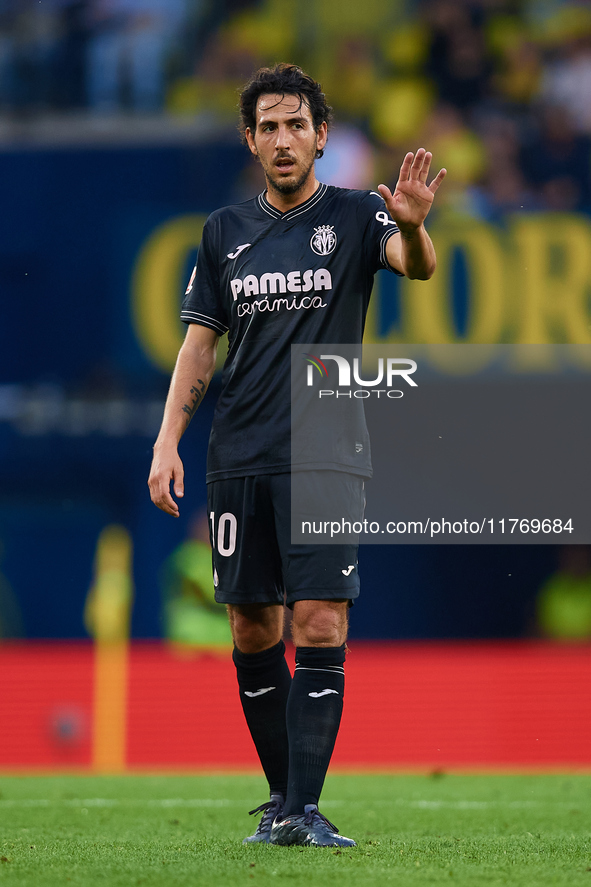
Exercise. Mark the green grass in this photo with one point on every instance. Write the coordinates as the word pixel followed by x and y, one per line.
pixel 187 830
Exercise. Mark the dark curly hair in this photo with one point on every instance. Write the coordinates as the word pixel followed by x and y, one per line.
pixel 283 80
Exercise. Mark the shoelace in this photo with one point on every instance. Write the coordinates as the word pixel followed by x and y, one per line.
pixel 266 809
pixel 312 814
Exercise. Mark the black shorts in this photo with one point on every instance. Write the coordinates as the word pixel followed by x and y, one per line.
pixel 253 557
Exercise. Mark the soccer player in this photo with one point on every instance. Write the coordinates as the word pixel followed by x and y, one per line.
pixel 293 265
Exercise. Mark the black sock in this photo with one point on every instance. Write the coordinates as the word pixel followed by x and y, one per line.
pixel 313 717
pixel 264 681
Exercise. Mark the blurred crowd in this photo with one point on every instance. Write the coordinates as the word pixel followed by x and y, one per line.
pixel 499 90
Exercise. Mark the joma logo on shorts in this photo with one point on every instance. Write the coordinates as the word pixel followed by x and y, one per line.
pixel 276 282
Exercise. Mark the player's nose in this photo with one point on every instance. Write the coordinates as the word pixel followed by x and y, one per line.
pixel 282 137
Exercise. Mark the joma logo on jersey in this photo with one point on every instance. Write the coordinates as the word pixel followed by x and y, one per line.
pixel 293 282
pixel 324 240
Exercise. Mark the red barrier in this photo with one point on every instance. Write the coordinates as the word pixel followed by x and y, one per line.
pixel 418 705
pixel 45 704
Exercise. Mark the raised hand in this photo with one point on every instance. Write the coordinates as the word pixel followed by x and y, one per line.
pixel 412 197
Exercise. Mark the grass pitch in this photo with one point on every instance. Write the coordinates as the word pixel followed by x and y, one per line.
pixel 187 830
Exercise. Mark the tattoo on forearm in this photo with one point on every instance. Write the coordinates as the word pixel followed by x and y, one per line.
pixel 190 408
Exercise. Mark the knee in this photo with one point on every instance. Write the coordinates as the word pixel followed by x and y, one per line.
pixel 254 632
pixel 319 626
pixel 251 637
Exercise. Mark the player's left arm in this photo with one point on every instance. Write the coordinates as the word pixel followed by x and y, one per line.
pixel 411 251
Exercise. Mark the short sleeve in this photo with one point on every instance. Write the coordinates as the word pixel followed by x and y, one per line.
pixel 202 303
pixel 378 226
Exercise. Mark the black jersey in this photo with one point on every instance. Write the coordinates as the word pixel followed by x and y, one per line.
pixel 272 280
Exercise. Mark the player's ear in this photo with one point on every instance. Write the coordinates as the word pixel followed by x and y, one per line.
pixel 322 135
pixel 250 141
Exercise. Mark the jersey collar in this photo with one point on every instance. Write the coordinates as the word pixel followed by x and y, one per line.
pixel 297 210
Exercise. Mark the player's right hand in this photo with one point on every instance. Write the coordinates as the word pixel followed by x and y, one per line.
pixel 166 467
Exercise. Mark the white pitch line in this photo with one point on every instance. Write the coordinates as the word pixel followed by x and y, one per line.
pixel 133 802
pixel 419 804
pixel 115 802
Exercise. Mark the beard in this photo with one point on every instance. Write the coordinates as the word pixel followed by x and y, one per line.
pixel 294 185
